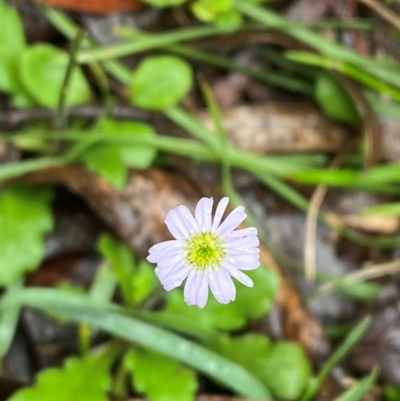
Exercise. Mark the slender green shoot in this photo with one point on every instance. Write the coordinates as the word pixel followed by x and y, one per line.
pixel 353 337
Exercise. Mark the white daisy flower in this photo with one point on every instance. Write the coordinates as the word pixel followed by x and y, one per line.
pixel 206 252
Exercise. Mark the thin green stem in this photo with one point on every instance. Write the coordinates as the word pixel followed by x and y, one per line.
pixel 60 121
pixel 353 337
pixel 269 77
pixel 147 42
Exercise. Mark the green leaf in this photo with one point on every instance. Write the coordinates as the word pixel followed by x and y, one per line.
pixel 12 45
pixel 132 155
pixel 164 3
pixel 43 68
pixel 250 303
pixel 287 370
pixel 159 82
pixel 385 209
pixel 109 317
pixel 121 258
pixel 143 282
pixel 111 160
pixel 159 377
pixel 25 216
pixel 282 367
pixel 249 350
pixel 335 101
pixel 107 162
pixel 85 379
pixel 9 319
pixel 136 282
pixel 229 20
pixel 8 66
pixel 208 10
pixel 12 39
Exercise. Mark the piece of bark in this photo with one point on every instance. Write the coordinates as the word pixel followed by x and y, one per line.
pixel 137 212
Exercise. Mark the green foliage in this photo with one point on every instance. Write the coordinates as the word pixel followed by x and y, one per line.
pixel 164 3
pixel 250 303
pixel 392 393
pixel 287 370
pixel 249 350
pixel 25 216
pixel 42 70
pixel 85 379
pixel 159 82
pixel 207 10
pixel 385 209
pixel 282 367
pixel 12 39
pixel 115 321
pixel 111 160
pixel 335 101
pixel 12 46
pixel 159 377
pixel 136 281
pixel 221 12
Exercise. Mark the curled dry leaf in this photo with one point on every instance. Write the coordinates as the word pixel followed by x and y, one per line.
pixel 137 212
pixel 285 127
pixel 377 224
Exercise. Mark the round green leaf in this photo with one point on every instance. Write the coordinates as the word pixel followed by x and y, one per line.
pixel 160 82
pixel 164 3
pixel 287 370
pixel 43 69
pixel 335 101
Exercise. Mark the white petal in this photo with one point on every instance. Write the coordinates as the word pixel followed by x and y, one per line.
pixel 175 225
pixel 222 286
pixel 189 291
pixel 187 218
pixel 247 265
pixel 202 291
pixel 203 213
pixel 244 232
pixel 232 221
pixel 223 203
pixel 238 275
pixel 163 271
pixel 163 249
pixel 166 263
pixel 251 241
pixel 176 277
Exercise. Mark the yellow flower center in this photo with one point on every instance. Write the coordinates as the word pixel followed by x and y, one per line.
pixel 204 250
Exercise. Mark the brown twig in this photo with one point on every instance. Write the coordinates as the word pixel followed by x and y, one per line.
pixel 385 12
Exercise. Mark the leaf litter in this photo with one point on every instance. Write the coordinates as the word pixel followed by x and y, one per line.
pixel 287 314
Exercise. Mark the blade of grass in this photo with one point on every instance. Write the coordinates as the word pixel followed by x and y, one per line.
pixel 358 391
pixel 8 322
pixel 386 70
pixel 353 337
pixel 17 169
pixel 269 77
pixel 60 119
pixel 109 318
pixel 147 42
